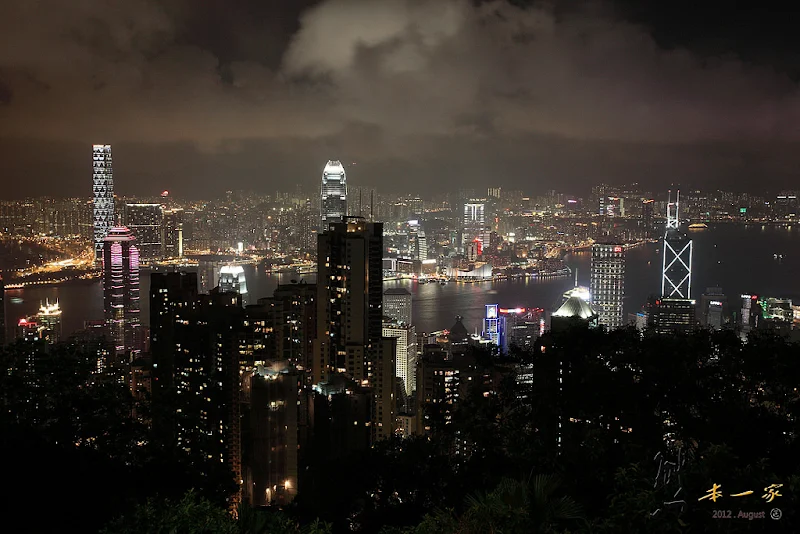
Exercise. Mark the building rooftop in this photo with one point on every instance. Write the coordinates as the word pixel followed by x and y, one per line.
pixel 397 291
pixel 575 307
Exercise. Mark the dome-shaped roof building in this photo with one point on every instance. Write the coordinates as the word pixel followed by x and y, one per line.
pixel 574 309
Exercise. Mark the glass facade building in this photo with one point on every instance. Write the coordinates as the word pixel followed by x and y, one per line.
pixel 102 195
pixel 333 199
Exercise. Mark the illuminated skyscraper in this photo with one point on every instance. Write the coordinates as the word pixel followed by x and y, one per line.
pixel 103 195
pixel 474 220
pixel 397 304
pixel 121 290
pixel 145 221
pixel 676 272
pixel 232 279
pixel 49 320
pixel 333 204
pixel 405 353
pixel 494 326
pixel 607 283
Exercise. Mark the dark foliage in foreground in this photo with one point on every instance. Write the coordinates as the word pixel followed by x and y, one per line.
pixel 729 409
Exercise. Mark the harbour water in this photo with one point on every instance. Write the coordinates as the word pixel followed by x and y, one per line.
pixel 739 259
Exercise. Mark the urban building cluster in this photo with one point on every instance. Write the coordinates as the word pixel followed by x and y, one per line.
pixel 270 385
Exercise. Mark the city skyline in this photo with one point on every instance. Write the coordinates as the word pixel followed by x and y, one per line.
pixel 400 266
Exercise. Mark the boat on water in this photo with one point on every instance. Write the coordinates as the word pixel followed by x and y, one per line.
pixel 698 226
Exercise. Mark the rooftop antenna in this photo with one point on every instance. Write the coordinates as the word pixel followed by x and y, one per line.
pixel 672 210
pixel 371 205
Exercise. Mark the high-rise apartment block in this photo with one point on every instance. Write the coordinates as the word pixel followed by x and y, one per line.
pixel 270 432
pixel 607 283
pixel 333 195
pixel 102 195
pixel 350 314
pixel 170 294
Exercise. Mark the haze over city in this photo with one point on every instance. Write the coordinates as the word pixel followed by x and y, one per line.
pixel 243 95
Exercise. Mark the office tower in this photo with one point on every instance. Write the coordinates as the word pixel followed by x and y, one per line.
pixel 607 283
pixel 750 314
pixel 145 221
pixel 333 196
pixel 422 245
pixel 405 353
pixel 102 195
pixel 270 434
pixel 474 221
pixel 494 327
pixel 415 207
pixel 232 279
pixel 713 308
pixel 671 316
pixel 647 217
pixel 49 320
pixel 494 192
pixel 523 326
pixel 397 304
pixel 676 272
pixel 172 233
pixel 169 294
pixel 121 289
pixel 613 206
pixel 349 312
pixel 786 205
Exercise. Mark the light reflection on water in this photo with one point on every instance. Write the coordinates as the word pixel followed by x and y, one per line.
pixel 740 259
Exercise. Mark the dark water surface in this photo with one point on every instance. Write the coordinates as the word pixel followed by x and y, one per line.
pixel 739 259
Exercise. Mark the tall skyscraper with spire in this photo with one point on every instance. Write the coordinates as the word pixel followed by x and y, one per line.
pixel 674 312
pixel 102 195
pixel 676 271
pixel 333 200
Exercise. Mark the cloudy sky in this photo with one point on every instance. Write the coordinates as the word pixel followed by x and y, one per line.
pixel 424 96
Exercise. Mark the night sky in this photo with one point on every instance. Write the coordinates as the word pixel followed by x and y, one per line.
pixel 425 96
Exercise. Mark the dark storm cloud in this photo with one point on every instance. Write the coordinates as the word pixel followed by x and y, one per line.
pixel 386 82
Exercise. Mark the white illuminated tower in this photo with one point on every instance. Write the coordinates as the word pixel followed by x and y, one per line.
pixel 676 268
pixel 333 201
pixel 102 195
pixel 607 283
